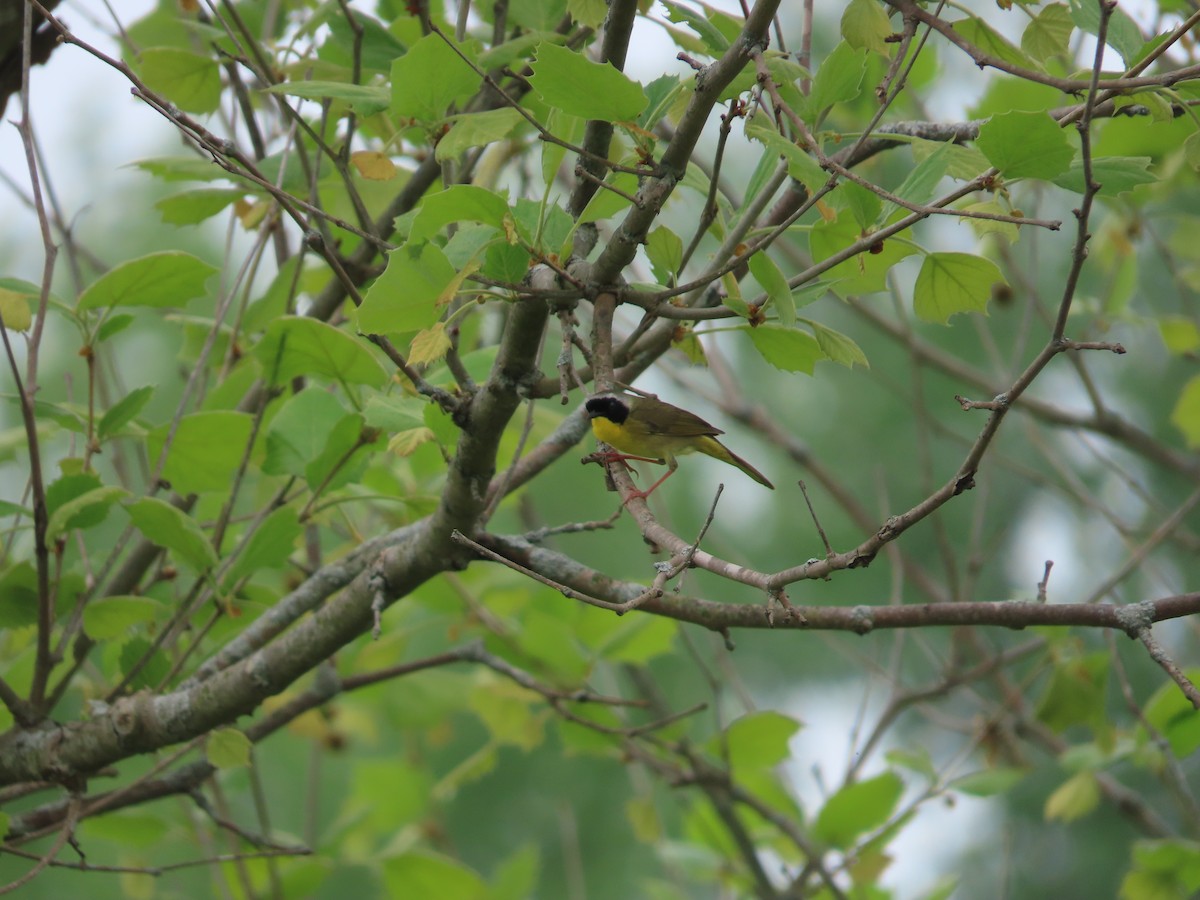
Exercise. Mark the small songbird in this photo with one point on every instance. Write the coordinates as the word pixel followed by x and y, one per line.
pixel 652 431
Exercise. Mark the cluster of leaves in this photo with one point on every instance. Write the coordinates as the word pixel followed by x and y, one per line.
pixel 420 210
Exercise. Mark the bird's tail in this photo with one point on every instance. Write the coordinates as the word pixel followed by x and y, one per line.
pixel 717 450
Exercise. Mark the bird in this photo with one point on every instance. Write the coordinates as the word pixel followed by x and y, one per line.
pixel 650 430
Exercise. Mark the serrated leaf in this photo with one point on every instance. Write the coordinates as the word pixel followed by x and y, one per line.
pixel 124 411
pixel 865 25
pixel 567 80
pixel 429 345
pixel 113 617
pixel 1116 175
pixel 228 748
pixel 789 349
pixel 774 282
pixel 1121 33
pixel 838 80
pixel 364 99
pixel 858 808
pixel 801 166
pixel 167 526
pixel 991 43
pixel 1049 33
pixel 300 345
pixel 1025 145
pixel 476 129
pixel 169 278
pixel 190 81
pixel 951 283
pixel 83 511
pixel 918 186
pixel 190 207
pixel 837 346
pixel 458 203
pixel 429 78
pixel 405 297
pixel 864 273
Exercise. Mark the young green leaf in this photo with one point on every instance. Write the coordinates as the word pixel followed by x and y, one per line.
pixel 124 411
pixel 1025 145
pixel 301 345
pixel 169 278
pixel 573 83
pixel 206 450
pixel 857 808
pixel 789 349
pixel 951 283
pixel 429 78
pixel 168 526
pixel 404 298
pixel 190 81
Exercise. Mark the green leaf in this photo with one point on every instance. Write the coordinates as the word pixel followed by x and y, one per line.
pixel 124 411
pixel 299 345
pixel 1025 145
pixel 858 808
pixel 476 129
pixel 394 413
pixel 963 163
pixel 1075 694
pixel 338 452
pixel 18 596
pixel 1163 870
pixel 423 873
pixel 83 511
pixel 406 296
pixel 429 78
pixel 664 248
pixel 1186 414
pixel 228 748
pixel 182 168
pixel 1048 35
pixel 169 278
pixel 951 283
pixel 838 80
pixel 918 186
pixel 1180 334
pixel 194 206
pixel 801 166
pixel 113 324
pixel 757 740
pixel 1174 717
pixel 567 80
pixel 364 99
pixel 16 311
pixel 190 81
pixel 789 349
pixel 989 782
pixel 861 202
pixel 167 526
pixel 506 262
pixel 1074 799
pixel 714 41
pixel 150 674
pixel 837 346
pixel 992 44
pixel 206 450
pixel 607 203
pixel 1116 174
pixel 774 282
pixel 113 617
pixel 300 430
pixel 1122 34
pixel 865 25
pixel 269 546
pixel 516 877
pixel 863 273
pixel 458 203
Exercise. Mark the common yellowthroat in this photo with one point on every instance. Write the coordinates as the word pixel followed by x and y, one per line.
pixel 653 431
